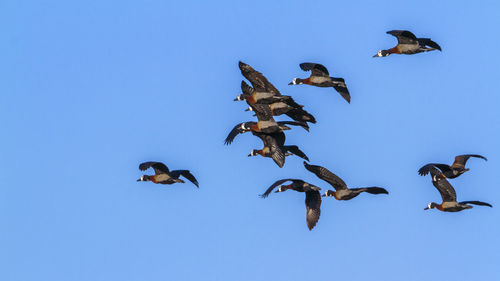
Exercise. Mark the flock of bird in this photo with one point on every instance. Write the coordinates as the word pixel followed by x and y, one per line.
pixel 266 102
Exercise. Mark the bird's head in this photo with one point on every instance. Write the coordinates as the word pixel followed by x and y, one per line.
pixel 144 178
pixel 431 205
pixel 283 188
pixel 329 193
pixel 239 97
pixel 382 53
pixel 254 152
pixel 296 81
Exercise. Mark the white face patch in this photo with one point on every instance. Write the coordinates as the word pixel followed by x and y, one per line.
pixel 242 126
pixel 250 108
pixel 142 178
pixel 429 206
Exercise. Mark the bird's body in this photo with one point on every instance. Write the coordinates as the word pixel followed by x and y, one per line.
pixel 341 191
pixel 313 197
pixel 163 175
pixel 408 44
pixel 453 171
pixel 321 78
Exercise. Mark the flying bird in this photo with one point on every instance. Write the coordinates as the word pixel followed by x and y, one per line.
pixel 163 175
pixel 453 171
pixel 408 44
pixel 341 191
pixel 274 147
pixel 313 197
pixel 448 195
pixel 321 78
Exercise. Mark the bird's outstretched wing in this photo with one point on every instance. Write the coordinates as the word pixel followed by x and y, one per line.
pixel 185 173
pixel 327 176
pixel 460 160
pixel 270 189
pixel 159 167
pixel 372 190
pixel 476 203
pixel 238 129
pixel 427 168
pixel 258 81
pixel 429 42
pixel 404 36
pixel 439 181
pixel 313 208
pixel 295 123
pixel 315 68
pixel 341 88
pixel 296 151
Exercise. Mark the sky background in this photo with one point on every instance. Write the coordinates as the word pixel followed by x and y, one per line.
pixel 90 89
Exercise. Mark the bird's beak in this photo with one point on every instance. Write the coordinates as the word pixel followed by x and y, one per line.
pixel 139 180
pixel 426 208
pixel 248 109
pixel 249 155
pixel 236 99
pixel 375 56
pixel 291 83
pixel 324 195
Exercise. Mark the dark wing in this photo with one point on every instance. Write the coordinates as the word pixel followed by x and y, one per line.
pixel 272 143
pixel 270 189
pixel 372 190
pixel 341 87
pixel 185 173
pixel 476 203
pixel 238 129
pixel 246 89
pixel 263 112
pixel 295 123
pixel 301 115
pixel 295 150
pixel 159 167
pixel 313 207
pixel 327 176
pixel 447 191
pixel 427 168
pixel 315 68
pixel 258 81
pixel 460 160
pixel 428 42
pixel 404 36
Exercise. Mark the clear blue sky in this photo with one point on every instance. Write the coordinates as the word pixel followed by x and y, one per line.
pixel 90 89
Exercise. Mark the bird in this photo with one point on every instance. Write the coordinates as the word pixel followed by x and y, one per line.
pixel 313 197
pixel 341 191
pixel 274 147
pixel 321 78
pixel 453 171
pixel 448 195
pixel 163 175
pixel 408 44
